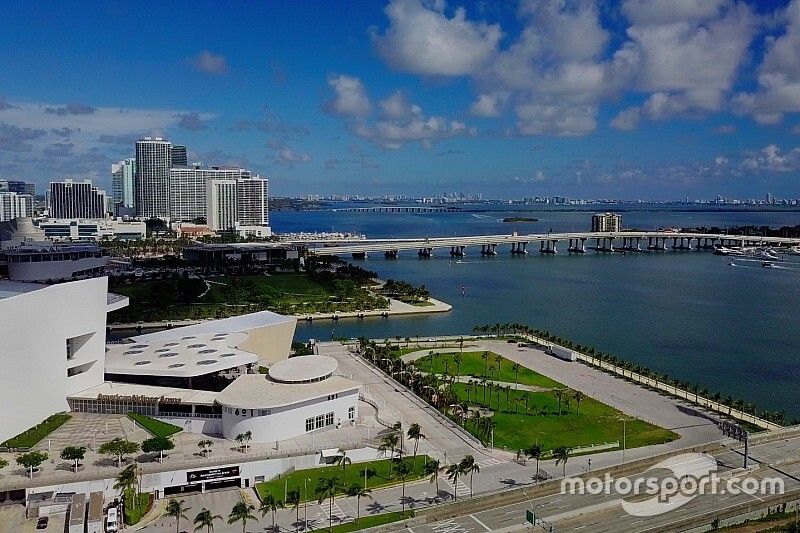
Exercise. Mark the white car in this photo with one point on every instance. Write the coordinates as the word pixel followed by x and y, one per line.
pixel 112 525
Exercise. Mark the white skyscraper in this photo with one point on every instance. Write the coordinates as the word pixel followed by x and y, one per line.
pixel 221 204
pixel 236 203
pixel 123 176
pixel 13 205
pixel 187 189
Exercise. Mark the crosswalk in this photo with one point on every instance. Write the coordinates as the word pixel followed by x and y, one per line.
pixel 463 487
pixel 336 513
pixel 483 463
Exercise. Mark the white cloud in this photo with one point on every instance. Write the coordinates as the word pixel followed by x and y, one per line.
pixel 725 129
pixel 397 106
pixel 393 134
pixel 350 97
pixel 422 39
pixel 287 156
pixel 771 158
pixel 487 106
pixel 721 161
pixel 558 120
pixel 688 60
pixel 537 177
pixel 778 75
pixel 211 63
pixel 627 119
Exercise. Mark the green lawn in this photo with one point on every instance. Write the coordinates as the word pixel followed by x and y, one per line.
pixel 156 428
pixel 134 513
pixel 473 364
pixel 31 437
pixel 377 476
pixel 595 423
pixel 369 521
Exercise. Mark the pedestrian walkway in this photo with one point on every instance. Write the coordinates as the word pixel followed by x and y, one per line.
pixel 462 490
pixel 335 513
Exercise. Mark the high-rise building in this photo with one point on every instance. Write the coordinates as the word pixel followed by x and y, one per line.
pixel 13 205
pixel 151 186
pixel 123 175
pixel 178 156
pixel 233 203
pixel 221 204
pixel 69 199
pixel 252 198
pixel 187 189
pixel 606 222
pixel 19 187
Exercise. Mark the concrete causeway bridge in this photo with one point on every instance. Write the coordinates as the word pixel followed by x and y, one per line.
pixel 549 243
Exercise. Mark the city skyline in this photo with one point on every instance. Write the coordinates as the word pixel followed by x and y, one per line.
pixel 623 100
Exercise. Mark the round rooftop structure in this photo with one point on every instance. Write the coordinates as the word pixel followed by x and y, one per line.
pixel 303 369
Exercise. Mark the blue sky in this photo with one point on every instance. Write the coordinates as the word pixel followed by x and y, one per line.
pixel 634 99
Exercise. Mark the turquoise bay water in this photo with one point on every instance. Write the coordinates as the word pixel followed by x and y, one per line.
pixel 687 314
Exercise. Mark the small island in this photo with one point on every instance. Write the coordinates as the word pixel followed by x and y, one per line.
pixel 520 219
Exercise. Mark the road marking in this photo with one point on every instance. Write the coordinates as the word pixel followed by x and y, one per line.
pixel 449 526
pixel 479 522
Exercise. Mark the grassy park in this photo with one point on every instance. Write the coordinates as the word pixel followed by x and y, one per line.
pixel 378 475
pixel 476 365
pixel 494 398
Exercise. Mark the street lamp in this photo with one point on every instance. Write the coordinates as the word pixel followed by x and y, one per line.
pixel 623 438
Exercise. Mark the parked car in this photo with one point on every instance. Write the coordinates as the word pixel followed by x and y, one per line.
pixel 42 522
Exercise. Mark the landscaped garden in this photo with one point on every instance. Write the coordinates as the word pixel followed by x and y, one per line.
pixel 156 428
pixel 379 473
pixel 31 437
pixel 368 521
pixel 343 289
pixel 512 406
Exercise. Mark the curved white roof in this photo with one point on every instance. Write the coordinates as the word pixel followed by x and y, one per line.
pixel 255 391
pixel 303 369
pixel 241 323
pixel 183 356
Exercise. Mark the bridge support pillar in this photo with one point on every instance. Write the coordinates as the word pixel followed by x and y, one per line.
pixel 359 255
pixel 425 253
pixel 390 254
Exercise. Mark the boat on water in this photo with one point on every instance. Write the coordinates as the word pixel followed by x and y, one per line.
pixel 722 250
pixel 766 264
pixel 766 255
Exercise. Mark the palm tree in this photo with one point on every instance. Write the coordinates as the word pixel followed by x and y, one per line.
pixel 535 452
pixel 126 479
pixel 177 510
pixel 243 439
pixel 343 460
pixel 327 487
pixel 241 512
pixel 293 499
pixel 270 505
pixel 578 397
pixel 453 471
pixel 458 359
pixel 526 398
pixel 469 466
pixel 415 433
pixel 205 446
pixel 485 357
pixel 559 394
pixel 205 519
pixel 561 454
pixel 432 469
pixel 403 471
pixel 358 492
pixel 516 367
pixel 389 443
pixel 499 359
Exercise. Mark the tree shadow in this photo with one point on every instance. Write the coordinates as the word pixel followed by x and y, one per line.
pixel 375 507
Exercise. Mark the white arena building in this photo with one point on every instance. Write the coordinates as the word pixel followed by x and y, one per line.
pixel 202 377
pixel 53 345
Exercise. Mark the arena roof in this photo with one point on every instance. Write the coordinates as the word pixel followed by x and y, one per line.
pixel 255 391
pixel 303 369
pixel 226 325
pixel 181 356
